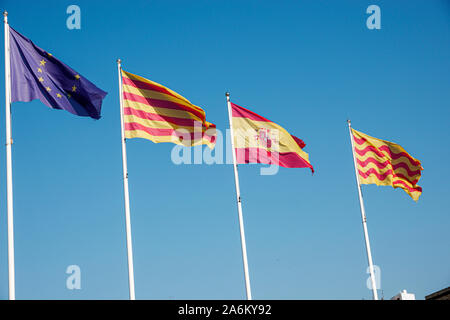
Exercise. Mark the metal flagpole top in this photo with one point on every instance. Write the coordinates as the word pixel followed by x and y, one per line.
pixel 349 122
pixel 5 16
pixel 119 61
pixel 5 13
pixel 227 94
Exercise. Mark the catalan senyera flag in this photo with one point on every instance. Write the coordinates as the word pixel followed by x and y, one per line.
pixel 258 140
pixel 386 163
pixel 154 112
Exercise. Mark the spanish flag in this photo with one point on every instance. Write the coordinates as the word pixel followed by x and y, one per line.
pixel 258 140
pixel 154 112
pixel 386 163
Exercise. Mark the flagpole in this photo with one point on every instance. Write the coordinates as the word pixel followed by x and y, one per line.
pixel 9 187
pixel 125 190
pixel 238 198
pixel 363 216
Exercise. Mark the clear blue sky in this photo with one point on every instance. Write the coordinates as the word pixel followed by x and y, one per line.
pixel 306 65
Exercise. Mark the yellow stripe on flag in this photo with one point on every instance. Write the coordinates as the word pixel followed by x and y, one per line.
pixel 246 133
pixel 385 163
pixel 154 112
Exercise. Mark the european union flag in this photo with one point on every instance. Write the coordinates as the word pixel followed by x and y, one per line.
pixel 36 74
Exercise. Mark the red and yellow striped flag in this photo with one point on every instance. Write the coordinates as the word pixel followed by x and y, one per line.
pixel 258 140
pixel 386 163
pixel 154 112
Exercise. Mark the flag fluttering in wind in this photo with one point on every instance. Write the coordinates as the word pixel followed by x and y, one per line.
pixel 154 112
pixel 258 140
pixel 255 139
pixel 151 111
pixel 386 163
pixel 37 74
pixel 32 73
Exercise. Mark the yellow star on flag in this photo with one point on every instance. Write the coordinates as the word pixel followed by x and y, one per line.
pixel 48 89
pixel 41 79
pixel 58 95
pixel 74 88
pixel 77 76
pixel 40 70
pixel 43 62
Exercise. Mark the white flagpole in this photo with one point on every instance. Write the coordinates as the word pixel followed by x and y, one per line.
pixel 363 216
pixel 9 188
pixel 238 197
pixel 125 191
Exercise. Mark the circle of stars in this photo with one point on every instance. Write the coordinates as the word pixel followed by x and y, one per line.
pixel 47 88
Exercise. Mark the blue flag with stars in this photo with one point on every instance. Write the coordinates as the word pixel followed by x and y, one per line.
pixel 36 74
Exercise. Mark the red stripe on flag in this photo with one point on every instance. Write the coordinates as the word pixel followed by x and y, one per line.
pixel 157 117
pixel 382 165
pixel 240 112
pixel 384 148
pixel 404 185
pixel 300 142
pixel 146 86
pixel 167 132
pixel 162 104
pixel 383 176
pixel 258 155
